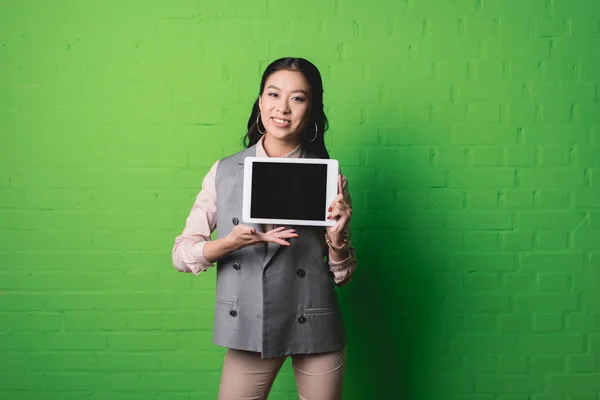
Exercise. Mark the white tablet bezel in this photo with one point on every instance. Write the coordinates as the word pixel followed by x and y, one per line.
pixel 331 190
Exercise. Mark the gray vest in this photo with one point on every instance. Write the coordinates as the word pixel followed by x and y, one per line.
pixel 276 301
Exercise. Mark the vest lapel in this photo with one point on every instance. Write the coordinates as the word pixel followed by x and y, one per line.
pixel 250 152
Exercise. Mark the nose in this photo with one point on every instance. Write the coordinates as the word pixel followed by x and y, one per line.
pixel 283 106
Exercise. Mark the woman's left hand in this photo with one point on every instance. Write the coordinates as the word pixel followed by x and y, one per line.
pixel 341 211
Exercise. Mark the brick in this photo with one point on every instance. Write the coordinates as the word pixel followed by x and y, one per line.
pixel 482 262
pixel 581 323
pixel 35 321
pixel 518 241
pixel 548 364
pixel 486 156
pixel 487 69
pixel 510 384
pixel 554 199
pixel 444 199
pixel 515 323
pixel 484 135
pixel 552 220
pixel 556 282
pixel 492 91
pixel 95 321
pixel 557 134
pixel 579 363
pixel 415 114
pixel 483 112
pixel 510 364
pixel 555 113
pixel 549 179
pixel 519 113
pixel 586 240
pixel 588 156
pixel 547 323
pixel 451 69
pixel 482 200
pixel 545 302
pixel 480 220
pixel 566 92
pixel 591 302
pixel 487 282
pixel 552 262
pixel 520 156
pixel 482 179
pixel 480 303
pixel 476 364
pixel 481 344
pixel 449 156
pixel 517 199
pixel 449 113
pixel 411 135
pixel 484 323
pixel 574 384
pixel 414 178
pixel 383 155
pixel 587 114
pixel 586 282
pixel 483 242
pixel 555 156
pixel 521 281
pixel 416 156
pixel 549 344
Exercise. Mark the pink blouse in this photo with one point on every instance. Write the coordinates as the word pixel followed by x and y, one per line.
pixel 188 255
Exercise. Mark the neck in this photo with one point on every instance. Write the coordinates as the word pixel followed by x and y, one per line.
pixel 277 148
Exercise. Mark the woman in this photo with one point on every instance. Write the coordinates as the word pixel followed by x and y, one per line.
pixel 275 296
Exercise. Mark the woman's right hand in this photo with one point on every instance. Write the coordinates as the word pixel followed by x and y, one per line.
pixel 243 235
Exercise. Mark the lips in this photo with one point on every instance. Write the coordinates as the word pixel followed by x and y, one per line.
pixel 281 123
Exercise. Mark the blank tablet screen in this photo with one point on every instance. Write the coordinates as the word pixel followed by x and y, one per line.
pixel 288 191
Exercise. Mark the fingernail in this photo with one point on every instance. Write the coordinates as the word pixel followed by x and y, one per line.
pixel 329 209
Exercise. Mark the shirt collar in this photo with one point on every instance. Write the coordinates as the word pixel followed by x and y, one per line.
pixel 260 150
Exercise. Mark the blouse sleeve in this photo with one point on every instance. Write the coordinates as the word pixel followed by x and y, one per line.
pixel 188 251
pixel 343 270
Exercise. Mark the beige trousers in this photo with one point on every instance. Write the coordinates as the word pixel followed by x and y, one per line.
pixel 246 376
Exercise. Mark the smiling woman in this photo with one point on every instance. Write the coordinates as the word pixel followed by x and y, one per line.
pixel 290 108
pixel 284 304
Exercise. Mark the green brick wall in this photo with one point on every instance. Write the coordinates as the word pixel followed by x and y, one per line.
pixel 469 131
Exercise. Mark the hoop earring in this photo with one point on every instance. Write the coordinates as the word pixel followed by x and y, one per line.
pixel 258 125
pixel 316 132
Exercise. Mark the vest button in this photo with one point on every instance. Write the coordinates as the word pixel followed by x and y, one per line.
pixel 301 273
pixel 235 221
pixel 302 319
pixel 236 266
pixel 233 313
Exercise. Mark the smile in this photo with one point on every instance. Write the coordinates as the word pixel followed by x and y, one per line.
pixel 280 122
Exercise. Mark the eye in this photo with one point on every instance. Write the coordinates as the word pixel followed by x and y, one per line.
pixel 272 94
pixel 298 99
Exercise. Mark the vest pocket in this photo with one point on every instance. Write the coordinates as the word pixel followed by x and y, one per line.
pixel 313 311
pixel 224 303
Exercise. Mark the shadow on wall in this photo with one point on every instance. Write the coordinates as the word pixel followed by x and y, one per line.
pixel 389 304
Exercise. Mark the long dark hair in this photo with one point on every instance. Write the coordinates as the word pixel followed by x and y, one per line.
pixel 317 114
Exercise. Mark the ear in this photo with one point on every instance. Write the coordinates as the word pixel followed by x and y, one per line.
pixel 260 103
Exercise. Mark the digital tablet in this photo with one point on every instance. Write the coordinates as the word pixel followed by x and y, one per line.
pixel 289 191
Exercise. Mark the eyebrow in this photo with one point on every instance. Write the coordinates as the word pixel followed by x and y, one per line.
pixel 295 91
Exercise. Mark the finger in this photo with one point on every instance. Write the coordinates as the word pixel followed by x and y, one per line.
pixel 281 228
pixel 245 229
pixel 273 239
pixel 335 201
pixel 336 213
pixel 340 189
pixel 287 235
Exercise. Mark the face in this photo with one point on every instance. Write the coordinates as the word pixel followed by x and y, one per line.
pixel 285 105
